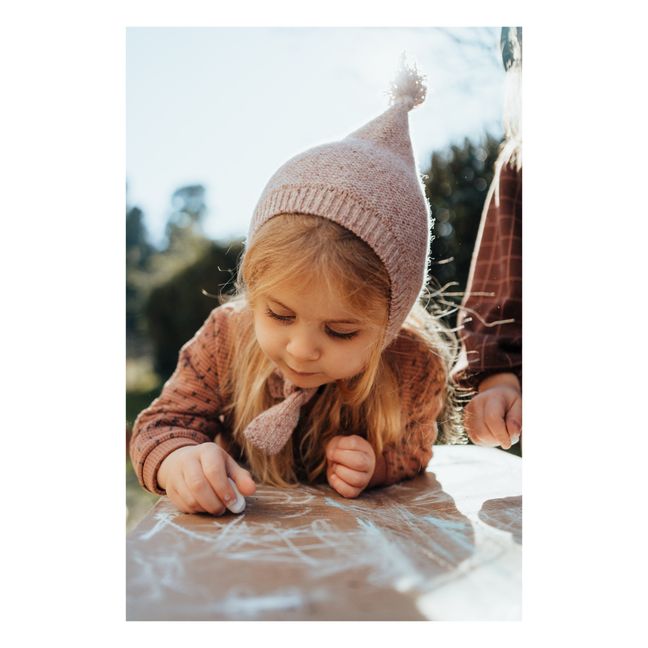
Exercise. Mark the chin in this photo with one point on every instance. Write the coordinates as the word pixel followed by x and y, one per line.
pixel 308 381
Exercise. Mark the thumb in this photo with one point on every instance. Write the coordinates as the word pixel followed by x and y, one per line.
pixel 514 420
pixel 241 477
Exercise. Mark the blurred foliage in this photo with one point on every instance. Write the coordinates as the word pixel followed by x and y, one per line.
pixel 183 229
pixel 177 308
pixel 138 256
pixel 148 267
pixel 456 185
pixel 137 400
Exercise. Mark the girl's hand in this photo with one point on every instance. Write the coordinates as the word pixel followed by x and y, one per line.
pixel 494 416
pixel 351 462
pixel 195 479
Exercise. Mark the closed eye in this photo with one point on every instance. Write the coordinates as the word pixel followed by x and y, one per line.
pixel 286 319
pixel 281 318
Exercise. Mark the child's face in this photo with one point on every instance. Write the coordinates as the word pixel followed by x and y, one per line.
pixel 311 332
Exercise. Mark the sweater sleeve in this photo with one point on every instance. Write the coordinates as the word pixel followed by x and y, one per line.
pixel 423 382
pixel 187 411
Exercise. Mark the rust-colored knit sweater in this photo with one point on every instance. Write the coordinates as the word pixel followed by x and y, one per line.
pixel 188 411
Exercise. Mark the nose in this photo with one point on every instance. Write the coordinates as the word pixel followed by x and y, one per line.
pixel 303 347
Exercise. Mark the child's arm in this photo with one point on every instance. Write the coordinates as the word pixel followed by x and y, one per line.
pixel 410 456
pixel 423 383
pixel 186 412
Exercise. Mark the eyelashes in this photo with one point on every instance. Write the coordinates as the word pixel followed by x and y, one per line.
pixel 282 318
pixel 286 319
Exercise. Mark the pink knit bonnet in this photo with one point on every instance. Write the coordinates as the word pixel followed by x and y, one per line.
pixel 368 183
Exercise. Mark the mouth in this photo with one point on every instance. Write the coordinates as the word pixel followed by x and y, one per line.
pixel 302 373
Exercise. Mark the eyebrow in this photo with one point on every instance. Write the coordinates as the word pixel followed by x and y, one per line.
pixel 341 321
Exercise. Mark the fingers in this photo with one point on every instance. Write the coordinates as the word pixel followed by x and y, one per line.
pixel 352 451
pixel 213 465
pixel 352 442
pixel 494 417
pixel 332 445
pixel 477 430
pixel 514 420
pixel 346 490
pixel 179 493
pixel 494 414
pixel 241 477
pixel 353 459
pixel 351 463
pixel 200 488
pixel 201 481
pixel 351 477
pixel 197 481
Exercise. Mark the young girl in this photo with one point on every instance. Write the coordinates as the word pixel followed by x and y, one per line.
pixel 323 367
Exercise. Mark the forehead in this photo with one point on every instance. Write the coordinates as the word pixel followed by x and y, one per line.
pixel 315 302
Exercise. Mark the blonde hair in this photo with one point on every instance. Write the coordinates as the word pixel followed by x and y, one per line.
pixel 318 250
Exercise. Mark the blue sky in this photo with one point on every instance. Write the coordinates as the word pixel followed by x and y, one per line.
pixel 226 106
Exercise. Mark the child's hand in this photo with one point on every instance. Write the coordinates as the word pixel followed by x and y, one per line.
pixel 195 479
pixel 494 416
pixel 351 462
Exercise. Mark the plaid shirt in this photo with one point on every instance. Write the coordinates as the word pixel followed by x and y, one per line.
pixel 496 269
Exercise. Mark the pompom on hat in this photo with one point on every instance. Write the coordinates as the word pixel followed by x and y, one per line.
pixel 368 183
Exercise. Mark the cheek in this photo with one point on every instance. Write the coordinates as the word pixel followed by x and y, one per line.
pixel 353 357
pixel 267 338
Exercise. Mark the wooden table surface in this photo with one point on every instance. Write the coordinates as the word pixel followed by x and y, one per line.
pixel 443 546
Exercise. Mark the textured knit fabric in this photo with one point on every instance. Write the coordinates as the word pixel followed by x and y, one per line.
pixel 189 411
pixel 496 270
pixel 281 418
pixel 367 182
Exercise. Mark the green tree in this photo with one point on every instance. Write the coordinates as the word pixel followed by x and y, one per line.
pixel 456 184
pixel 177 308
pixel 148 267
pixel 138 255
pixel 138 248
pixel 184 224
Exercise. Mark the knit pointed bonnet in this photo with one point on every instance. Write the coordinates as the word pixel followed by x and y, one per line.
pixel 368 183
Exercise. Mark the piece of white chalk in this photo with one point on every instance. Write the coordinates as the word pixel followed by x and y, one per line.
pixel 239 505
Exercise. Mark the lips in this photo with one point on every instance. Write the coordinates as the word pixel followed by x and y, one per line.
pixel 302 373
